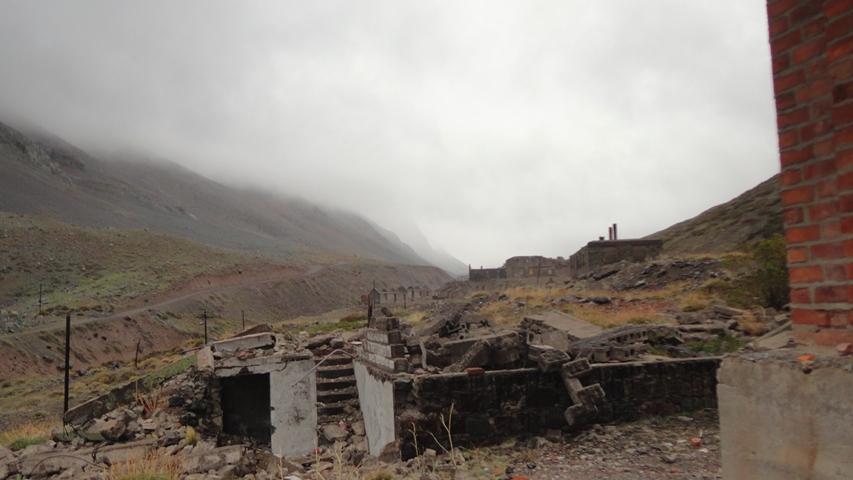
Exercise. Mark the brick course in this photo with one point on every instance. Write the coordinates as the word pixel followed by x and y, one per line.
pixel 811 42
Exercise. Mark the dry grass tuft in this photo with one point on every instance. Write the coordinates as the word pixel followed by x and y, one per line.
pixel 154 466
pixel 30 433
pixel 626 315
pixel 694 301
pixel 415 319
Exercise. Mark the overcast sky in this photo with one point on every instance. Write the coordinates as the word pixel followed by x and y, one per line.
pixel 498 128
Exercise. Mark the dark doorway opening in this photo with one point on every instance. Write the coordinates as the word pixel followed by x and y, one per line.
pixel 246 406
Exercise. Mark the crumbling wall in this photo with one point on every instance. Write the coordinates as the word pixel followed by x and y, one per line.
pixel 489 406
pixel 599 253
pixel 292 398
pixel 377 407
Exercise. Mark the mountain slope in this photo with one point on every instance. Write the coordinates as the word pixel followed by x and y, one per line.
pixel 753 215
pixel 46 176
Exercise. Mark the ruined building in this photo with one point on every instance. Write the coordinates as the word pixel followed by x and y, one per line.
pixel 605 252
pixel 531 266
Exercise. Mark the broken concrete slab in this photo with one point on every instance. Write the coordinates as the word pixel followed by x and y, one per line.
pixel 262 328
pixel 778 338
pixel 206 460
pixel 727 311
pixel 570 324
pixel 248 342
pixel 457 348
pixel 477 355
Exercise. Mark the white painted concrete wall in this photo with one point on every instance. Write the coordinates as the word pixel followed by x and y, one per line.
pixel 377 405
pixel 293 414
pixel 779 423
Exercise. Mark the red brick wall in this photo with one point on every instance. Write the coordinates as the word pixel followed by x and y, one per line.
pixel 811 43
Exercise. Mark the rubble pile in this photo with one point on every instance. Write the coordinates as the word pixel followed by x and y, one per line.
pixel 625 275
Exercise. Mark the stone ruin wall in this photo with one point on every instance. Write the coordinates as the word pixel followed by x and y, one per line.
pixel 605 252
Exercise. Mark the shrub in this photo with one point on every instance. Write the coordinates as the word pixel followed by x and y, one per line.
pixel 763 279
pixel 771 255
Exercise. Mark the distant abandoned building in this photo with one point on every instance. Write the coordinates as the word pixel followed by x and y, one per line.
pixel 486 273
pixel 604 252
pixel 531 266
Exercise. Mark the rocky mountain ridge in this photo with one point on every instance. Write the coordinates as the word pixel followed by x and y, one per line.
pixel 45 176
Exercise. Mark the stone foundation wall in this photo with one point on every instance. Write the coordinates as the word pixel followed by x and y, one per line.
pixel 490 406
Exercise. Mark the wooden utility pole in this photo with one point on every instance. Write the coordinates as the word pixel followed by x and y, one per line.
pixel 136 358
pixel 67 359
pixel 204 316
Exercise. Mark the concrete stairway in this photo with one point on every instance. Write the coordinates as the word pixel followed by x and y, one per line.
pixel 336 390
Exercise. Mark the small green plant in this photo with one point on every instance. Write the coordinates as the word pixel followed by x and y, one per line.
pixel 22 443
pixel 718 346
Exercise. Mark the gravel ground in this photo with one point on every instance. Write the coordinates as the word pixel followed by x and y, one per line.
pixel 650 449
pixel 658 448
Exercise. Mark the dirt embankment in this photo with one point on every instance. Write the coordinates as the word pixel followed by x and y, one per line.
pixel 263 293
pixel 96 342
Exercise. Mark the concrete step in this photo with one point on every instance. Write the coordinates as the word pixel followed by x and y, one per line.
pixel 335 371
pixel 334 396
pixel 325 384
pixel 336 360
pixel 335 408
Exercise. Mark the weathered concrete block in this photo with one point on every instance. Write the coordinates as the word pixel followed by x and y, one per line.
pixel 591 395
pixel 551 360
pixel 387 351
pixel 533 351
pixel 778 422
pixel 388 338
pixel 580 414
pixel 392 364
pixel 627 352
pixel 575 369
pixel 385 324
pixel 204 360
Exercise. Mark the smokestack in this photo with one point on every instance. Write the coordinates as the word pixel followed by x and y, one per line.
pixel 610 233
pixel 615 237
